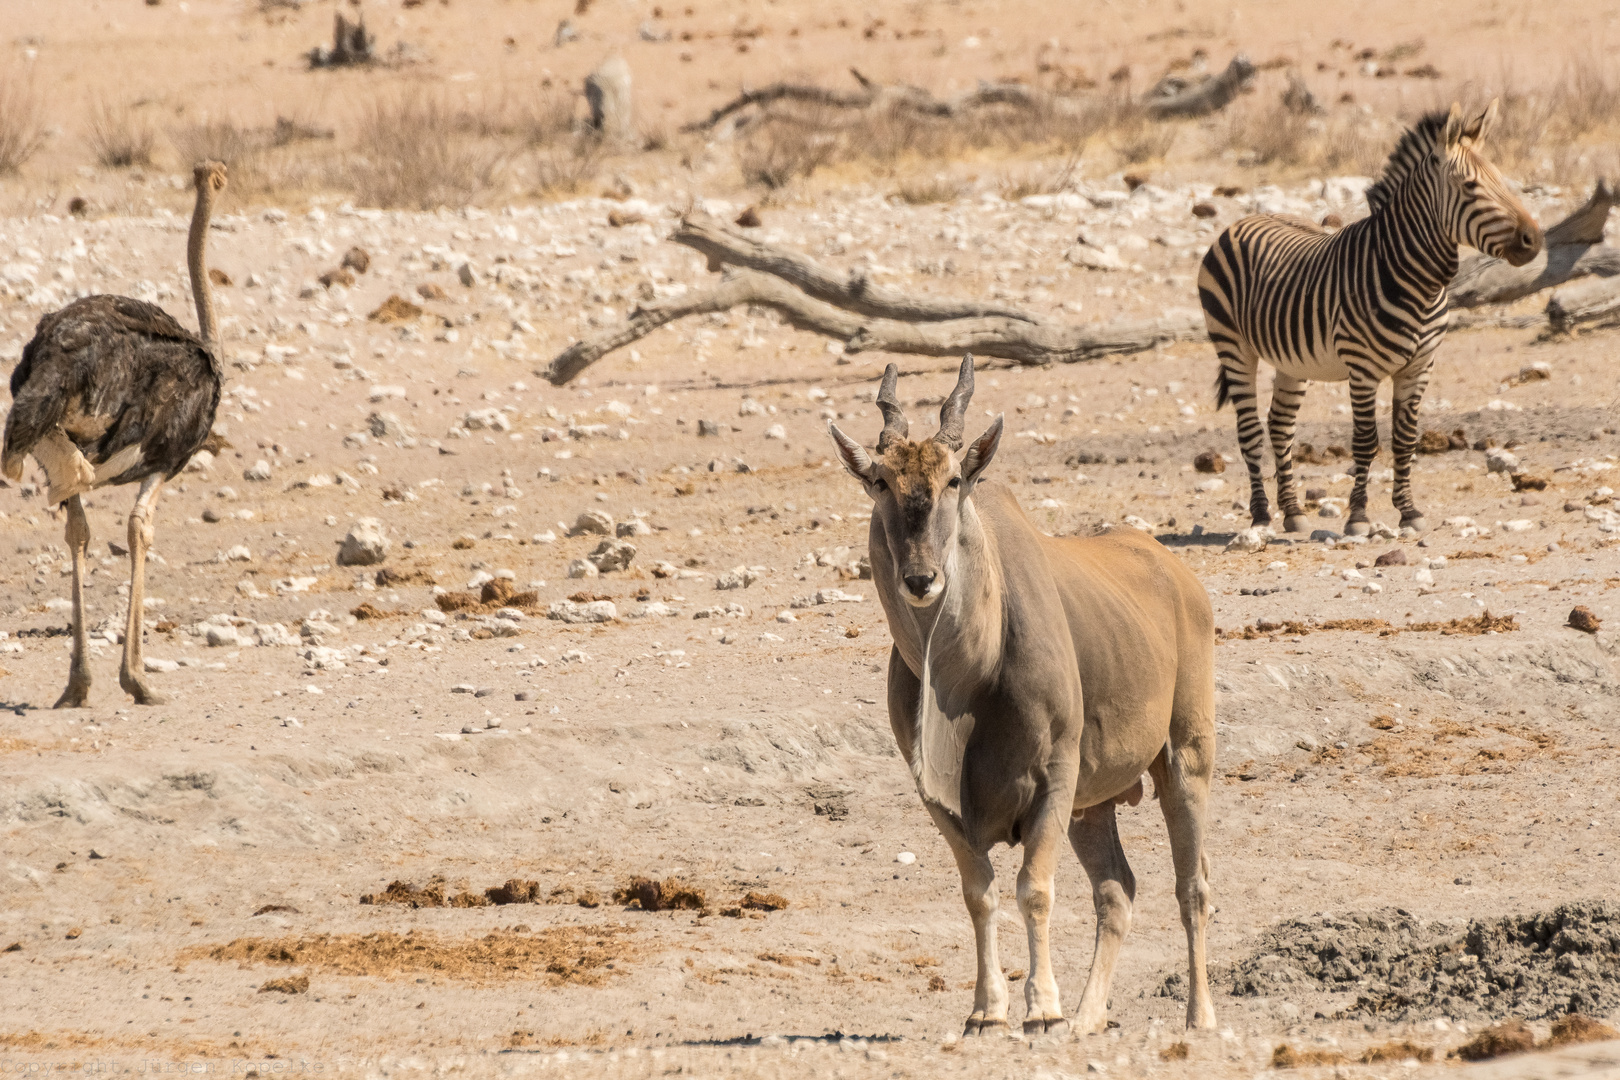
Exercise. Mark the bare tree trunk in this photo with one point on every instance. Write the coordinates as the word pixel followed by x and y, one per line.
pixel 856 292
pixel 1209 96
pixel 1586 304
pixel 351 44
pixel 1573 248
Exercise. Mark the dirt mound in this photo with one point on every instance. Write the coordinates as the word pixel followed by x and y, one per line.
pixel 1531 966
pixel 563 954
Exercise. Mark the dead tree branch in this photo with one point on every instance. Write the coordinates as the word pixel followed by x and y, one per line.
pixel 1573 248
pixel 1201 99
pixel 1587 304
pixel 856 292
pixel 874 95
pixel 351 44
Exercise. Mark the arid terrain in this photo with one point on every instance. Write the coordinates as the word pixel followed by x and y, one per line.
pixel 393 816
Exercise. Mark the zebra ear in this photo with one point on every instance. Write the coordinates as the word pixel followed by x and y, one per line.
pixel 1454 128
pixel 1475 133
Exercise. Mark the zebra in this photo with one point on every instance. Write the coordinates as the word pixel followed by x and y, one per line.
pixel 1361 303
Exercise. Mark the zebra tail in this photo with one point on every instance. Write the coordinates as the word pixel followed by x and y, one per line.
pixel 1223 388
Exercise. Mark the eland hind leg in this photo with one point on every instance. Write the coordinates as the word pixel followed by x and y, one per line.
pixel 77 694
pixel 1095 837
pixel 131 673
pixel 1181 776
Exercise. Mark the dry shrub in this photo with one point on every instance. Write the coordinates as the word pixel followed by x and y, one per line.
pixel 434 894
pixel 1508 1037
pixel 924 191
pixel 1138 138
pixel 221 139
pixel 1575 1028
pixel 1176 1051
pixel 417 153
pixel 564 954
pixel 22 130
pixel 118 137
pixel 777 150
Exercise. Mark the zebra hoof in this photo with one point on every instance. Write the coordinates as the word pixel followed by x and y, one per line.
pixel 1358 528
pixel 1296 523
pixel 1414 526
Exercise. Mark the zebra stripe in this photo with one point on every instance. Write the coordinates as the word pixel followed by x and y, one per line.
pixel 1361 304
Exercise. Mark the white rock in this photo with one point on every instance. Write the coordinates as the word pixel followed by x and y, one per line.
pixel 612 555
pixel 1500 460
pixel 271 635
pixel 258 471
pixel 592 523
pixel 1372 587
pixel 596 611
pixel 738 577
pixel 1350 573
pixel 1517 525
pixel 365 545
pixel 633 527
pixel 776 431
pixel 479 419
pixel 905 858
pixel 1423 576
pixel 1214 484
pixel 1137 523
pixel 547 537
pixel 152 663
pixel 1095 258
pixel 239 553
pixel 655 609
pixel 583 568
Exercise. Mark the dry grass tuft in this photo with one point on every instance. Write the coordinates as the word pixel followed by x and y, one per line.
pixel 576 955
pixel 1286 1057
pixel 1403 1050
pixel 671 894
pixel 1176 1051
pixel 293 984
pixel 22 130
pixel 119 137
pixel 1575 1028
pixel 418 153
pixel 1508 1037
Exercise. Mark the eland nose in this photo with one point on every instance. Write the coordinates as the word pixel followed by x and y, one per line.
pixel 919 584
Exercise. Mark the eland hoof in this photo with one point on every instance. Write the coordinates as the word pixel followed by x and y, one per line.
pixel 74 697
pixel 1358 528
pixel 977 1025
pixel 1296 523
pixel 1052 1025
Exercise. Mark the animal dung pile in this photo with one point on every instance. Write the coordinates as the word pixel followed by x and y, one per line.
pixel 560 954
pixel 671 894
pixel 437 894
pixel 1534 966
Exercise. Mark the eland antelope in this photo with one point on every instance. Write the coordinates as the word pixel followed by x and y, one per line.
pixel 1032 682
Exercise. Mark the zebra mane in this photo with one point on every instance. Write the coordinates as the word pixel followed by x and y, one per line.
pixel 1414 145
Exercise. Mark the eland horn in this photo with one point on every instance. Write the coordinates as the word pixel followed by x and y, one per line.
pixel 894 418
pixel 954 411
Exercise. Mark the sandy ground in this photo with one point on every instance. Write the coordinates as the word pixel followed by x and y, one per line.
pixel 1455 775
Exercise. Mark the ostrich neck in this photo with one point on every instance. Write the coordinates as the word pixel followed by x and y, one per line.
pixel 196 244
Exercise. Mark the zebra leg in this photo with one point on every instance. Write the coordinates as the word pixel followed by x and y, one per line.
pixel 1364 407
pixel 1287 394
pixel 1240 375
pixel 1408 386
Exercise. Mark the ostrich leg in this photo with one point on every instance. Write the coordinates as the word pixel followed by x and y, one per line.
pixel 78 539
pixel 132 675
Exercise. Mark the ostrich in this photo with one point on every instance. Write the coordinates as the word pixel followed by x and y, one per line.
pixel 110 391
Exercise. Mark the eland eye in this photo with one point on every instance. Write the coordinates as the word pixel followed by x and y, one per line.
pixel 956 482
pixel 880 485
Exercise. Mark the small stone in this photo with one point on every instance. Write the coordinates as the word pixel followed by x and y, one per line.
pixel 786 617
pixel 749 218
pixel 464 688
pixel 210 515
pixel 258 471
pixel 1204 210
pixel 1582 618
pixel 740 577
pixel 905 858
pixel 1392 557
pixel 468 276
pixel 633 527
pixel 592 523
pixel 357 259
pixel 484 691
pixel 365 544
pixel 776 431
pixel 596 611
pixel 708 427
pixel 583 568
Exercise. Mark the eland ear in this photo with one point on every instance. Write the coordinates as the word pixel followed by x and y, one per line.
pixel 852 455
pixel 1475 133
pixel 1452 135
pixel 980 451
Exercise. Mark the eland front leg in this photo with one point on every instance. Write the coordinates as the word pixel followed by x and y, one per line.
pixel 980 894
pixel 1042 839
